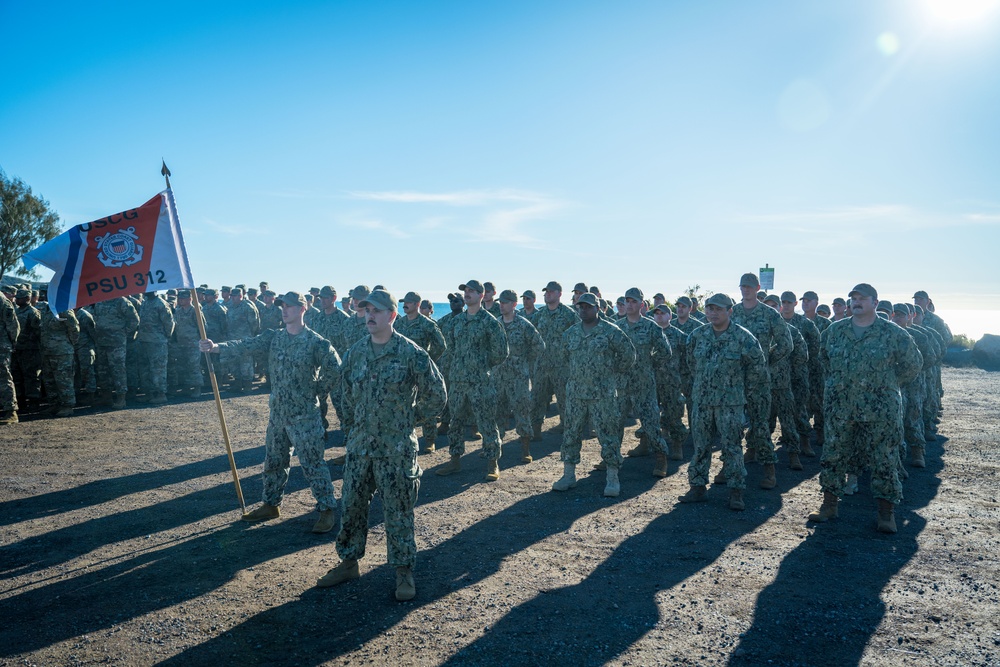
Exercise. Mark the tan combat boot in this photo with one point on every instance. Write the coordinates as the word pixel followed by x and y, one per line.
pixel 347 570
pixel 794 462
pixel 405 588
pixel 696 494
pixel 826 511
pixel 642 449
pixel 886 516
pixel 660 468
pixel 8 417
pixel 736 500
pixel 327 520
pixel 917 457
pixel 263 513
pixel 768 481
pixel 526 449
pixel 451 467
pixel 568 480
pixel 492 471
pixel 806 448
pixel 613 487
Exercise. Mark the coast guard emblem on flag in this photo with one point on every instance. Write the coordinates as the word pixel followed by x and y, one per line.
pixel 119 249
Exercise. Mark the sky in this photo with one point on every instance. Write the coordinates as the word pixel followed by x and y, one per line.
pixel 418 145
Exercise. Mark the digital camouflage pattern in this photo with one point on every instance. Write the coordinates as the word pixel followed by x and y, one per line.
pixel 185 354
pixel 669 386
pixel 637 384
pixel 784 407
pixel 156 326
pixel 86 352
pixel 10 329
pixel 914 392
pixel 59 336
pixel 330 326
pixel 863 406
pixel 512 378
pixel 810 402
pixel 596 358
pixel 552 368
pixel 27 358
pixel 243 322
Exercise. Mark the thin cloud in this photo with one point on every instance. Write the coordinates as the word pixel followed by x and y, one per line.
pixel 372 225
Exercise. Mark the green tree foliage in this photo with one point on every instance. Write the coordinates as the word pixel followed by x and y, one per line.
pixel 26 222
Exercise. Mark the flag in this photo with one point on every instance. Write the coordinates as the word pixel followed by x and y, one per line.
pixel 138 250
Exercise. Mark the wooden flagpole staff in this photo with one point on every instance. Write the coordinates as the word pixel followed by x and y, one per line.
pixel 215 384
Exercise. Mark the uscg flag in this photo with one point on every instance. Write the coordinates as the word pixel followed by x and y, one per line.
pixel 139 250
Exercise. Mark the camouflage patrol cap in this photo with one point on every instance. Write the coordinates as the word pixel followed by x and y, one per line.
pixel 788 296
pixel 291 299
pixel 381 287
pixel 455 298
pixel 236 291
pixel 200 289
pixel 489 287
pixel 553 286
pixel 719 299
pixel 920 294
pixel 773 298
pixel 411 297
pixel 379 300
pixel 22 294
pixel 864 289
pixel 529 294
pixel 251 290
pixel 226 288
pixel 328 291
pixel 508 295
pixel 900 308
pixel 823 310
pixel 659 295
pixel 580 287
pixel 620 300
pixel 314 291
pixel 210 292
pixel 884 306
pixel 839 301
pixel 761 295
pixel 171 291
pixel 473 285
pixel 587 298
pixel 634 293
pixel 748 280
pixel 241 286
pixel 594 289
pixel 809 294
pixel 662 308
pixel 360 292
pixel 268 292
pixel 686 300
pixel 424 303
pixel 183 294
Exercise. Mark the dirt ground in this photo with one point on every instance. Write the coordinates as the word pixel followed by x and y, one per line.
pixel 120 544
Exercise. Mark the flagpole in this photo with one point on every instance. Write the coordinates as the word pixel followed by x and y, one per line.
pixel 199 318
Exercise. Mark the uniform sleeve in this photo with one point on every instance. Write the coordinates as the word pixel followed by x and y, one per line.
pixel 624 350
pixel 536 345
pixel 498 349
pixel 13 325
pixel 250 344
pixel 167 321
pixel 72 326
pixel 781 339
pixel 436 346
pixel 662 352
pixel 431 392
pixel 346 393
pixel 908 360
pixel 329 367
pixel 130 317
pixel 755 380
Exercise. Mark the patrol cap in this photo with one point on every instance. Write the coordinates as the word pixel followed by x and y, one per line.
pixel 659 295
pixel 22 294
pixel 411 297
pixel 580 287
pixel 720 299
pixel 508 295
pixel 839 301
pixel 200 289
pixel 360 292
pixel 823 309
pixel 489 287
pixel 663 308
pixel 748 280
pixel 328 291
pixel 424 303
pixel 789 297
pixel 171 291
pixel 621 301
pixel 920 294
pixel 772 297
pixel 883 314
pixel 864 289
pixel 208 291
pixel 226 288
pixel 381 287
pixel 553 286
pixel 809 294
pixel 250 290
pixel 268 292
pixel 474 285
pixel 291 299
pixel 314 291
pixel 183 294
pixel 203 285
pixel 380 300
pixel 528 293
pixel 884 306
pixel 634 293
pixel 587 298
pixel 236 291
pixel 686 300
pixel 594 289
pixel 761 295
pixel 455 298
pixel 900 308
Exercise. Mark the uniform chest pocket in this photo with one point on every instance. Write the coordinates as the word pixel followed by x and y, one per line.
pixel 394 373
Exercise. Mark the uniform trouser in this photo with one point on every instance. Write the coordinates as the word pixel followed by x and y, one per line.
pixel 727 421
pixel 153 366
pixel 132 365
pixel 27 372
pixel 111 374
pixel 58 371
pixel 758 410
pixel 783 408
pixel 187 364
pixel 913 423
pixel 85 363
pixel 851 446
pixel 605 415
pixel 547 381
pixel 638 392
pixel 8 395
pixel 397 479
pixel 241 366
pixel 931 401
pixel 478 399
pixel 514 395
pixel 816 384
pixel 671 412
pixel 304 435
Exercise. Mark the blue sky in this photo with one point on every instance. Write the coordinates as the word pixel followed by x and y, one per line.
pixel 658 144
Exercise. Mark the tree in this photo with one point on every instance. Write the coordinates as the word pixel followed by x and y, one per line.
pixel 26 222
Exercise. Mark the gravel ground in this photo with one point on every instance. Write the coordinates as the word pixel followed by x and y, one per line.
pixel 120 544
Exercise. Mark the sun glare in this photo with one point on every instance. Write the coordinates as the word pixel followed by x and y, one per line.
pixel 960 11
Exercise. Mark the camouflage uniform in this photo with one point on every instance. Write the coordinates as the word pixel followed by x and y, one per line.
pixel 385 393
pixel 933 321
pixel 730 371
pixel 932 400
pixel 862 403
pixel 354 329
pixel 493 310
pixel 86 352
pixel 243 322
pixel 132 353
pixel 669 384
pixel 769 329
pixel 914 393
pixel 116 322
pixel 186 355
pixel 784 405
pixel 595 357
pixel 270 318
pixel 637 385
pixel 11 328
pixel 331 327
pixel 27 358
pixel 303 367
pixel 156 325
pixel 475 346
pixel 59 336
pixel 551 370
pixel 811 401
pixel 513 376
pixel 424 332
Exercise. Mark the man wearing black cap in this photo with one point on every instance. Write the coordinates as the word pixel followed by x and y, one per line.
pixel 866 360
pixel 303 366
pixel 550 373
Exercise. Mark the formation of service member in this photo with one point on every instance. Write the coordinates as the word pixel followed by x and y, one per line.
pixel 811 310
pixel 303 366
pixel 490 304
pixel 59 334
pixel 669 382
pixel 729 370
pixel 216 326
pixel 914 391
pixel 243 322
pixel 156 326
pixel 637 383
pixel 776 343
pixel 11 329
pixel 527 310
pixel 424 332
pixel 787 405
pixel 513 377
pixel 476 345
pixel 116 321
pixel 456 304
pixel 389 385
pixel 86 355
pixel 27 357
pixel 597 352
pixel 804 397
pixel 187 361
pixel 933 321
pixel 866 360
pixel 550 373
pixel 932 398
